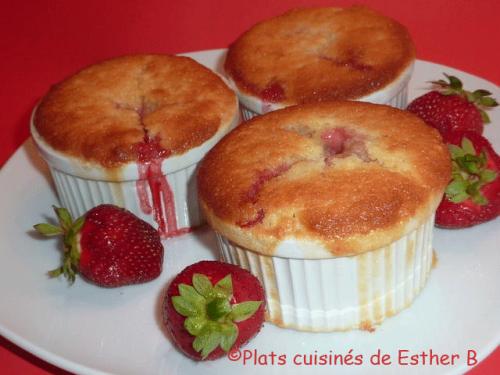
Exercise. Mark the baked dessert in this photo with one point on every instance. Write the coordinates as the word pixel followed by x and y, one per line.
pixel 332 206
pixel 319 54
pixel 130 131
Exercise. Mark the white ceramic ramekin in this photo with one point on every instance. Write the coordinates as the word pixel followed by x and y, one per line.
pixel 340 293
pixel 394 94
pixel 82 186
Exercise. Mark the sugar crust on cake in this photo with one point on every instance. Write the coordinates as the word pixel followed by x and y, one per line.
pixel 100 114
pixel 318 54
pixel 274 178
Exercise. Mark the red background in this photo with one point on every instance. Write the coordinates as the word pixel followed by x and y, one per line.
pixel 44 41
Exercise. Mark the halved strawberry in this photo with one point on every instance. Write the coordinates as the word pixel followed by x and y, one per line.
pixel 451 108
pixel 108 245
pixel 212 307
pixel 473 195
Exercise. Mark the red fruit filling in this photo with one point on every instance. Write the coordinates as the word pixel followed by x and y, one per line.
pixel 350 61
pixel 259 217
pixel 262 178
pixel 251 196
pixel 150 158
pixel 341 143
pixel 151 150
pixel 273 93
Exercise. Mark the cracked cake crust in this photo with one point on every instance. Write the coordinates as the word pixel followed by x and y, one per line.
pixel 317 54
pixel 349 176
pixel 103 113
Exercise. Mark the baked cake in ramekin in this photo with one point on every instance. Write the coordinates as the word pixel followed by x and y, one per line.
pixel 131 131
pixel 331 205
pixel 320 54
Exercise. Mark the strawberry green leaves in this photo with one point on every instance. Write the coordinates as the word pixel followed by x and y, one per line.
pixel 194 324
pixel 202 285
pixel 64 217
pixel 207 341
pixel 224 287
pixel 189 303
pixel 69 229
pixel 229 335
pixel 213 335
pixel 452 87
pixel 469 173
pixel 47 229
pixel 243 311
pixel 210 317
pixel 480 98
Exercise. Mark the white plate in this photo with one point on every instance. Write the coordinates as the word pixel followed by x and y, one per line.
pixel 87 329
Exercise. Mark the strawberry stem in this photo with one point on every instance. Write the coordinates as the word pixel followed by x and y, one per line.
pixel 218 308
pixel 69 229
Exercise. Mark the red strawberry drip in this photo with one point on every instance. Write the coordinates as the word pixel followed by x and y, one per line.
pixel 151 156
pixel 273 93
pixel 341 143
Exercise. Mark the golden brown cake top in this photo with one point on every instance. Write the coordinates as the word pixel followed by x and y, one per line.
pixel 103 113
pixel 349 176
pixel 317 54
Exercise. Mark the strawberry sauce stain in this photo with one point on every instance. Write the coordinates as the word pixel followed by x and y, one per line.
pixel 149 161
pixel 434 259
pixel 273 93
pixel 363 268
pixel 162 204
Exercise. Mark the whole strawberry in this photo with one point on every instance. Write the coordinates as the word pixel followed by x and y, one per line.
pixel 212 307
pixel 109 246
pixel 473 195
pixel 452 108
